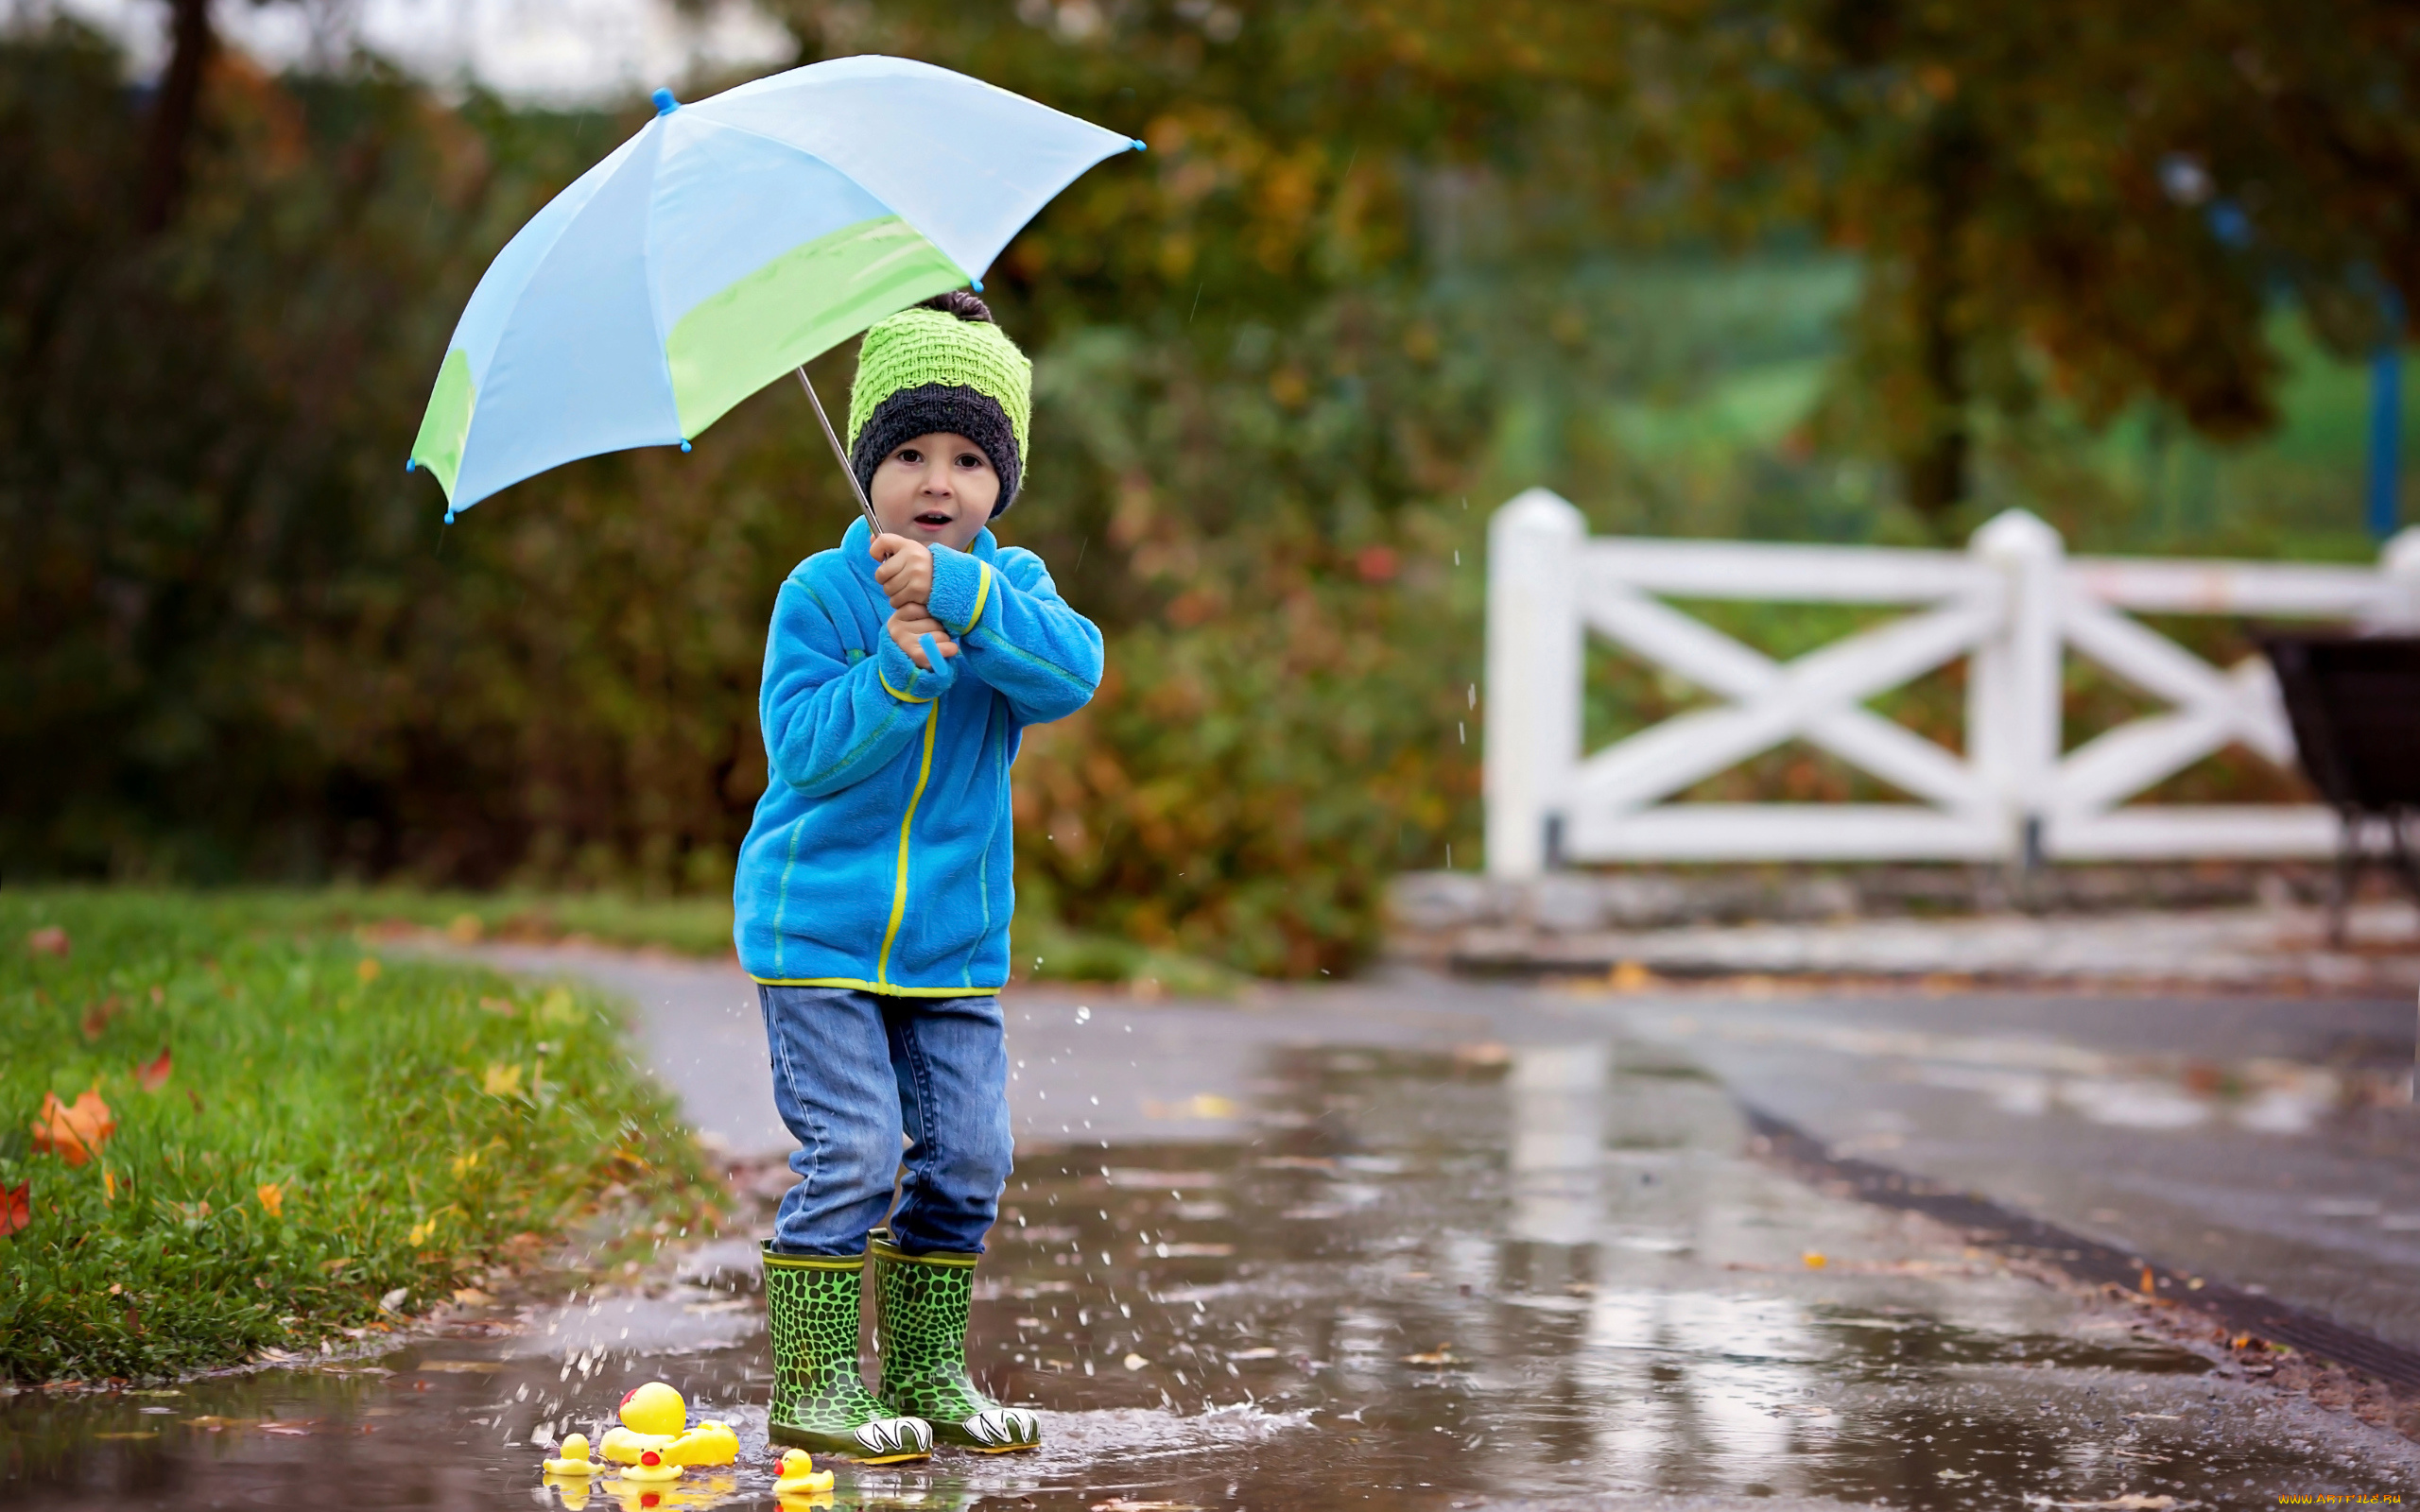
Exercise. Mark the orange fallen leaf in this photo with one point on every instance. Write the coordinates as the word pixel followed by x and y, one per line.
pixel 154 1074
pixel 48 940
pixel 109 1187
pixel 272 1196
pixel 75 1130
pixel 1815 1259
pixel 16 1208
pixel 368 970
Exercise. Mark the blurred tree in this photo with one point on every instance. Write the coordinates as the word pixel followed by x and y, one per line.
pixel 1382 261
pixel 2088 201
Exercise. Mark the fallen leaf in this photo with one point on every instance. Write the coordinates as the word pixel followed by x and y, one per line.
pixel 465 929
pixel 460 1367
pixel 148 1432
pixel 369 968
pixel 272 1196
pixel 292 1428
pixel 154 1074
pixel 74 1131
pixel 1135 1361
pixel 97 1017
pixel 332 1267
pixel 502 1081
pixel 16 1208
pixel 1815 1259
pixel 394 1299
pixel 48 940
pixel 1260 1353
pixel 1442 1354
pixel 109 1194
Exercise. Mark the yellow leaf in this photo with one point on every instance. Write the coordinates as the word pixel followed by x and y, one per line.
pixel 1815 1259
pixel 502 1081
pixel 272 1196
pixel 369 968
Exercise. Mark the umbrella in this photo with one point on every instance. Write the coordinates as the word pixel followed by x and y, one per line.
pixel 727 243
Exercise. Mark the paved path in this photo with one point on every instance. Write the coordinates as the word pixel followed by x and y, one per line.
pixel 2268 1144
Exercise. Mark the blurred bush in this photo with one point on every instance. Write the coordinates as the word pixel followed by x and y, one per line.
pixel 1383 264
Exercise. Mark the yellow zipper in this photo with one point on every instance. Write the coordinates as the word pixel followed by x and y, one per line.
pixel 899 892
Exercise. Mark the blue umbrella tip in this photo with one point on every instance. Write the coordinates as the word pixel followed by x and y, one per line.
pixel 665 103
pixel 410 462
pixel 685 446
pixel 978 286
pixel 449 516
pixel 1139 145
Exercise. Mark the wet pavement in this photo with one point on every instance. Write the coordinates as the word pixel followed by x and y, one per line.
pixel 2267 1144
pixel 1414 1246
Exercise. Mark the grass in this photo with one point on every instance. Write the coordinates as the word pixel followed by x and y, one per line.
pixel 337 1140
pixel 693 926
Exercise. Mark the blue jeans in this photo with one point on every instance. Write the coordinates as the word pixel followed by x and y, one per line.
pixel 852 1073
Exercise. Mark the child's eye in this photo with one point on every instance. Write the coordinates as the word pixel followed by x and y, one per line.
pixel 970 460
pixel 910 455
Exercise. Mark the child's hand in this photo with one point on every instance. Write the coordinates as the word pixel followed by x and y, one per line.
pixel 906 571
pixel 907 625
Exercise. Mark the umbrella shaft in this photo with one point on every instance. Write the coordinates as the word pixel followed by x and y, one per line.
pixel 846 470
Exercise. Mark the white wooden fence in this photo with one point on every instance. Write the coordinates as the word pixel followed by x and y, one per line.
pixel 2013 603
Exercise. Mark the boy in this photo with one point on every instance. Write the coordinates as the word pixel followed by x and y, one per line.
pixel 874 887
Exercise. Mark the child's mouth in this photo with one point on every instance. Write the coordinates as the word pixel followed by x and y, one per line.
pixel 932 519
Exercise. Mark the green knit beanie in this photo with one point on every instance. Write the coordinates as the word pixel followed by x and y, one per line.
pixel 941 365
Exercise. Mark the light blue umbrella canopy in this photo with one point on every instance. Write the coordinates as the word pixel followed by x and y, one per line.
pixel 726 244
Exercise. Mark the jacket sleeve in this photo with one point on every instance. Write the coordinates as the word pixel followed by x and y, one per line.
pixel 1018 634
pixel 828 722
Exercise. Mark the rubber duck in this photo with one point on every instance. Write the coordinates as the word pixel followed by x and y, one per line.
pixel 652 1465
pixel 624 1447
pixel 799 1476
pixel 574 1460
pixel 654 1408
pixel 709 1443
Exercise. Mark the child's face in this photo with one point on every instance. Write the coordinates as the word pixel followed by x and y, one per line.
pixel 937 488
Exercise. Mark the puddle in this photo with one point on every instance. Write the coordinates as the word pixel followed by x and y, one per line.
pixel 1411 1280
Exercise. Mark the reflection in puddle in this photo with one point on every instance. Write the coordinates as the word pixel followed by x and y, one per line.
pixel 1430 1280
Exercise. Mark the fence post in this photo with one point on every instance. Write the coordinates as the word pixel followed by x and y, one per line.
pixel 1531 732
pixel 2398 606
pixel 2013 727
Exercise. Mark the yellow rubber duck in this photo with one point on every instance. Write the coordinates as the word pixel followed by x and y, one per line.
pixel 574 1460
pixel 654 1408
pixel 709 1443
pixel 624 1447
pixel 652 1465
pixel 799 1476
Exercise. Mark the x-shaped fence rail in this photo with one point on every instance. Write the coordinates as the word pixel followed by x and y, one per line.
pixel 2014 603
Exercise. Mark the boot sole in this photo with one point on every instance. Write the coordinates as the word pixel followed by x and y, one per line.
pixel 838 1446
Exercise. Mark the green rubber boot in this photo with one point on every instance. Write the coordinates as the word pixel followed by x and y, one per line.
pixel 820 1404
pixel 921 1302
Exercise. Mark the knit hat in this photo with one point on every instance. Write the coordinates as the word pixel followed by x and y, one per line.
pixel 943 365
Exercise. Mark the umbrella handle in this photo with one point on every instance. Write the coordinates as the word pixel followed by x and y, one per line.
pixel 846 470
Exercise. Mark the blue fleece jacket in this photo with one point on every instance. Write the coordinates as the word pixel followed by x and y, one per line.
pixel 881 854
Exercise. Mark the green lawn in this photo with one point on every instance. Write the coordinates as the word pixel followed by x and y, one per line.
pixel 1044 950
pixel 335 1140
